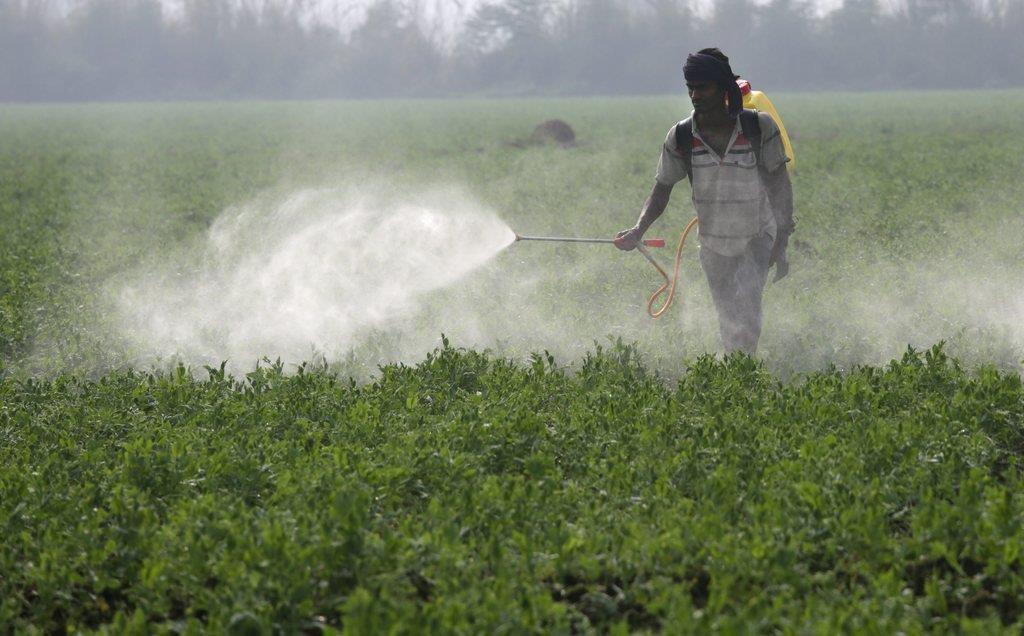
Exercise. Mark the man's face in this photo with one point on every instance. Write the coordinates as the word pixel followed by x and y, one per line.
pixel 707 97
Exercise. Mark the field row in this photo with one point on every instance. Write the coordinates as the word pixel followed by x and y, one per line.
pixel 473 494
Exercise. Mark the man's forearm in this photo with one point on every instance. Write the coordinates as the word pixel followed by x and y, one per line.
pixel 655 204
pixel 780 195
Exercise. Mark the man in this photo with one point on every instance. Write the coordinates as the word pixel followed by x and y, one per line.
pixel 744 200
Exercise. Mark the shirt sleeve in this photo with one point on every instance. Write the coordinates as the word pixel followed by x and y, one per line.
pixel 671 166
pixel 773 152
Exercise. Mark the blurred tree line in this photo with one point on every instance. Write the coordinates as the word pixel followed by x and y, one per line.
pixel 138 49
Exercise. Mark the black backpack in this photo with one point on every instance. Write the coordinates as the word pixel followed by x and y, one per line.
pixel 749 124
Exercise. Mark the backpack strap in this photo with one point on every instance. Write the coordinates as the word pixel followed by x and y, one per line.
pixel 751 127
pixel 684 144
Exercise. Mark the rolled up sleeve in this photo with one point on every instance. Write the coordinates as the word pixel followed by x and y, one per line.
pixel 773 152
pixel 671 166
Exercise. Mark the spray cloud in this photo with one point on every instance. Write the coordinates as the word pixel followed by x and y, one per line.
pixel 344 274
pixel 315 271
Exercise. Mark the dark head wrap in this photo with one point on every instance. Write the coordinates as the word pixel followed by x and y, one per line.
pixel 701 67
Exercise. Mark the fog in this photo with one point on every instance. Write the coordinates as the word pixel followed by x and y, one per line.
pixel 81 50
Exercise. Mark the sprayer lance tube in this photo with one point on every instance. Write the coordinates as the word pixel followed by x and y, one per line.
pixel 566 239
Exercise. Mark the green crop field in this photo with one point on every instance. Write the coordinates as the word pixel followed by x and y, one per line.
pixel 557 461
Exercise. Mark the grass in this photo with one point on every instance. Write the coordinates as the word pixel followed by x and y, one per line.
pixel 548 483
pixel 906 206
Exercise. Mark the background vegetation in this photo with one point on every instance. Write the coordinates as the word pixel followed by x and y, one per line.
pixel 138 50
pixel 907 210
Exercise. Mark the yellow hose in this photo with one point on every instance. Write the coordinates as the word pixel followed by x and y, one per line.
pixel 670 283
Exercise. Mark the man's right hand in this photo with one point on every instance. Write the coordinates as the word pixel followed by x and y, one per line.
pixel 628 239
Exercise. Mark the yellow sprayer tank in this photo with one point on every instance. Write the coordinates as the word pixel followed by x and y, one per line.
pixel 760 102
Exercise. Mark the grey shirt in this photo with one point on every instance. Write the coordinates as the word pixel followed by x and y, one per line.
pixel 731 202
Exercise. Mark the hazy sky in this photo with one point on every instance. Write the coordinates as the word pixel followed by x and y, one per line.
pixel 451 10
pixel 196 54
pixel 446 13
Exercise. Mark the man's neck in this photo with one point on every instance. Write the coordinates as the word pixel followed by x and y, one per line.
pixel 716 120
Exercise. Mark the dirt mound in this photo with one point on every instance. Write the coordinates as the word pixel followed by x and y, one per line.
pixel 554 130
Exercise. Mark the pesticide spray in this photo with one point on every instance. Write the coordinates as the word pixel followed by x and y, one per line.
pixel 338 275
pixel 315 272
pixel 316 269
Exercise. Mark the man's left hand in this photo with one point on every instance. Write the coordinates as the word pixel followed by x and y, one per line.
pixel 778 257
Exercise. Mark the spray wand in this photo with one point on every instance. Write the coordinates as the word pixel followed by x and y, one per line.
pixel 568 239
pixel 670 282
